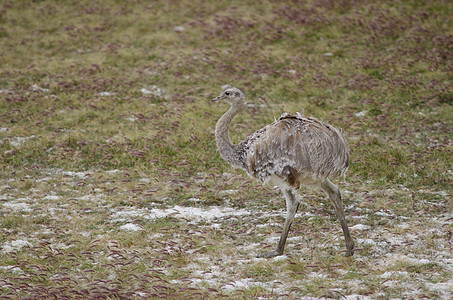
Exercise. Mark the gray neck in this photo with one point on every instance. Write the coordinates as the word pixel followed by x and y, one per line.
pixel 226 149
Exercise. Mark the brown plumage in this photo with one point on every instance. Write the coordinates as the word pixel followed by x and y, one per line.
pixel 291 151
pixel 293 147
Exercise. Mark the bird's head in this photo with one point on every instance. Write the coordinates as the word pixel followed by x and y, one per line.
pixel 231 95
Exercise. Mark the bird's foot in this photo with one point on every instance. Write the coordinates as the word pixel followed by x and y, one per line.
pixel 269 254
pixel 350 250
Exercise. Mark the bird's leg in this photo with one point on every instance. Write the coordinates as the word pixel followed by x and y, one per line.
pixel 334 194
pixel 292 204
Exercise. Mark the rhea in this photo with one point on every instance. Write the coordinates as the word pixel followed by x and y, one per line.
pixel 290 152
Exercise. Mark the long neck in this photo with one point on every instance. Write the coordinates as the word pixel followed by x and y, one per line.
pixel 222 137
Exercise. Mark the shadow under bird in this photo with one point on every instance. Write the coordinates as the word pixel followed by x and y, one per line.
pixel 290 152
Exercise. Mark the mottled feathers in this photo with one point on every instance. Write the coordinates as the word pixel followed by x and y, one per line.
pixel 296 149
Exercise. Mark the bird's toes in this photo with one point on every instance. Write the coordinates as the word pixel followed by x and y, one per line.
pixel 350 250
pixel 269 254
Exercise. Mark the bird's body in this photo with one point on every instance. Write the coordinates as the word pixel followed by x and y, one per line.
pixel 291 151
pixel 297 149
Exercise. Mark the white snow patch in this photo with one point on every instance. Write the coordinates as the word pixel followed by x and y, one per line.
pixel 360 227
pixel 361 114
pixel 267 224
pixel 17 206
pixel 440 193
pixel 398 258
pixel 37 88
pixel 406 189
pixel 122 216
pixel 394 274
pixel 130 227
pixel 51 197
pixel 18 140
pixel 280 258
pixel 145 91
pixel 12 269
pixel 74 174
pixel 94 197
pixel 366 241
pixel 15 245
pixel 382 214
pixel 291 239
pixel 317 275
pixel 179 28
pixel 241 283
pixel 445 288
pixel 156 91
pixel 196 213
pixel 112 171
pixel 106 94
pixel 145 180
pixel 196 200
pixel 357 297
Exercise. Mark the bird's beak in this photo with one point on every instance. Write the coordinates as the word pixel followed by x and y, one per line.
pixel 215 99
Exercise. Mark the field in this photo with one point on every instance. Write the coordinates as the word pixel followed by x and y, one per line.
pixel 111 186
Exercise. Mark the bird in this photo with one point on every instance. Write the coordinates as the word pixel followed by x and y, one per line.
pixel 290 152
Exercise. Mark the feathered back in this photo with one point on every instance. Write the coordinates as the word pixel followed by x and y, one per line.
pixel 296 147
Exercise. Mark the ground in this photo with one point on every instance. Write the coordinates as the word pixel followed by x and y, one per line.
pixel 111 186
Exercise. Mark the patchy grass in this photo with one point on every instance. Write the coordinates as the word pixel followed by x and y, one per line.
pixel 111 186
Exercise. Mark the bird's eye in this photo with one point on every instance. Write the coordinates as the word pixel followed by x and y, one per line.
pixel 237 94
pixel 227 93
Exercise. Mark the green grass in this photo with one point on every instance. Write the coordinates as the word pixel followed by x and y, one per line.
pixel 105 120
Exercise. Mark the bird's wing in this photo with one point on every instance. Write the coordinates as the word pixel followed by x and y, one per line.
pixel 297 146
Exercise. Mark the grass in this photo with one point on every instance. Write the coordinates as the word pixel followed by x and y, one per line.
pixel 105 121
